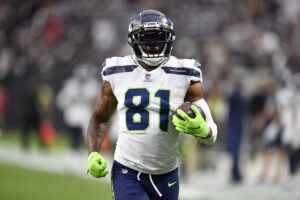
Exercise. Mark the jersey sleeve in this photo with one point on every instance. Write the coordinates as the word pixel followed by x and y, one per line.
pixel 105 71
pixel 197 72
pixel 103 68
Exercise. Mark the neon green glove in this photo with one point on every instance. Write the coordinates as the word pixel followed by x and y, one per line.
pixel 194 126
pixel 97 165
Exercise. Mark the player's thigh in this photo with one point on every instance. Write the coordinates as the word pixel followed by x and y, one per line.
pixel 125 185
pixel 167 185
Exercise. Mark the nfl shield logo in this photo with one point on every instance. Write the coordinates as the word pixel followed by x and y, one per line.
pixel 147 76
pixel 124 171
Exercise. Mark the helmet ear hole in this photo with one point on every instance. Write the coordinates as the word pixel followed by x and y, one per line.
pixel 173 38
pixel 129 40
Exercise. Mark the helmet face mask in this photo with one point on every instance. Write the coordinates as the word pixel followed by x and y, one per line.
pixel 151 36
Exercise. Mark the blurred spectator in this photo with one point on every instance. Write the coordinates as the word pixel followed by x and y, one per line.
pixel 218 108
pixel 104 35
pixel 256 106
pixel 44 104
pixel 3 99
pixel 5 61
pixel 53 30
pixel 217 104
pixel 290 114
pixel 31 118
pixel 75 100
pixel 5 67
pixel 235 130
pixel 271 135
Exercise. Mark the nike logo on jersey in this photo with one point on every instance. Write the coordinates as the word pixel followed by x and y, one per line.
pixel 171 184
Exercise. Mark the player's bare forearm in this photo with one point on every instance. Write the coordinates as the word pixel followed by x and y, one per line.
pixel 195 94
pixel 96 133
pixel 98 127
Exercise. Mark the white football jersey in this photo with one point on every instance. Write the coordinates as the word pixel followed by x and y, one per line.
pixel 148 141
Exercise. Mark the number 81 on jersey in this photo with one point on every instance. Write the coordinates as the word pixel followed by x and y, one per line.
pixel 140 108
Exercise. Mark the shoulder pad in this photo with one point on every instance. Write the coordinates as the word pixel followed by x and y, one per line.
pixel 183 67
pixel 115 65
pixel 187 63
pixel 117 61
pixel 190 63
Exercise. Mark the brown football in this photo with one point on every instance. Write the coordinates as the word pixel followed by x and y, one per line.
pixel 186 107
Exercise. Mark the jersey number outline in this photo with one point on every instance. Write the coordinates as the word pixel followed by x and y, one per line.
pixel 141 122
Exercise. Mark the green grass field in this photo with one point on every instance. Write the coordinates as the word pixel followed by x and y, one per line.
pixel 17 183
pixel 13 138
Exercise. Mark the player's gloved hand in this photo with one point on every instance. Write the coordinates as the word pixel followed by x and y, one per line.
pixel 194 126
pixel 97 165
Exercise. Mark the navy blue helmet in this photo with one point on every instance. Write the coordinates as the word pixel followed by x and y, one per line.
pixel 154 29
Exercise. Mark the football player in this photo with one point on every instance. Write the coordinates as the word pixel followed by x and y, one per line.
pixel 146 88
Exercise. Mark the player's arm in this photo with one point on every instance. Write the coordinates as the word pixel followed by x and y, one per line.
pixel 205 130
pixel 98 128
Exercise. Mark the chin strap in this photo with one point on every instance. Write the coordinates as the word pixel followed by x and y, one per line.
pixel 153 61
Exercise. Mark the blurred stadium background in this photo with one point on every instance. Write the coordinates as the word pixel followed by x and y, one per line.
pixel 50 61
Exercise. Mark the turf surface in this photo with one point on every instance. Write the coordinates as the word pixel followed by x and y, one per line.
pixel 17 183
pixel 13 138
